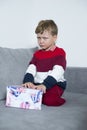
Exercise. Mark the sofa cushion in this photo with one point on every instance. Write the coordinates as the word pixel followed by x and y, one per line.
pixel 13 64
pixel 76 79
pixel 70 116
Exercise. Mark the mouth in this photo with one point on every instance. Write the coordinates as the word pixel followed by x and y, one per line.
pixel 41 45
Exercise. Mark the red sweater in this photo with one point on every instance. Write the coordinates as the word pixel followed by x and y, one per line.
pixel 47 67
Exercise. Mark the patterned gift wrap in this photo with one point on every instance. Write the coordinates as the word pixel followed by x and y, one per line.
pixel 25 98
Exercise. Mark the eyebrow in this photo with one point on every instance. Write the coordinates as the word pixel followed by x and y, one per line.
pixel 42 37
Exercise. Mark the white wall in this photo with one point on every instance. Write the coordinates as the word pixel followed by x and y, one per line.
pixel 18 19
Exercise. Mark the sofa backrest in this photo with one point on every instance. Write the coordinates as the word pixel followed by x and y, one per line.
pixel 76 79
pixel 13 64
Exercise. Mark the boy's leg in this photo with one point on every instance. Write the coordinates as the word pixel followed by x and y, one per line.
pixel 53 97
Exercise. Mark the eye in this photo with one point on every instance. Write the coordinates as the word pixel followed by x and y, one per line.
pixel 38 38
pixel 45 38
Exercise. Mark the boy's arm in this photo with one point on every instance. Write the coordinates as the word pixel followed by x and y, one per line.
pixel 30 73
pixel 54 76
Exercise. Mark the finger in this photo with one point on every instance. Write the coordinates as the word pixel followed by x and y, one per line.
pixel 44 91
pixel 26 85
pixel 23 85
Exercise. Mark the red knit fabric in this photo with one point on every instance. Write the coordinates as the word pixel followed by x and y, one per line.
pixel 46 60
pixel 41 54
pixel 53 97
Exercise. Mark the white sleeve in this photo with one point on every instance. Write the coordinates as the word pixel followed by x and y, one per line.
pixel 57 72
pixel 31 69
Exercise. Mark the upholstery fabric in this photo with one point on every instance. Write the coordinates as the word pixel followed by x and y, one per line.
pixel 13 64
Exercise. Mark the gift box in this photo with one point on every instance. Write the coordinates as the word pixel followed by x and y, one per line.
pixel 25 98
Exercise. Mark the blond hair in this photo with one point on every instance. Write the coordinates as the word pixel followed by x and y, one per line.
pixel 47 25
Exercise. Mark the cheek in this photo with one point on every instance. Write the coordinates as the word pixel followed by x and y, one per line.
pixel 50 42
pixel 38 41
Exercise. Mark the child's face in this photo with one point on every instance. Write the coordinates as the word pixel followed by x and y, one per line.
pixel 45 40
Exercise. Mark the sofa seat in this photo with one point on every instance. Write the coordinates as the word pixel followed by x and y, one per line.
pixel 71 116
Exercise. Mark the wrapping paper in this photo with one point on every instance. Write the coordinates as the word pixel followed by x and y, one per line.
pixel 25 98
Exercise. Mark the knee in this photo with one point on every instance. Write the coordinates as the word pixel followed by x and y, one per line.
pixel 53 102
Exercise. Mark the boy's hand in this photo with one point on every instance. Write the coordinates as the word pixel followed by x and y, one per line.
pixel 41 87
pixel 28 85
pixel 38 87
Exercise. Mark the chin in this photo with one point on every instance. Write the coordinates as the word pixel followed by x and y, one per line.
pixel 42 48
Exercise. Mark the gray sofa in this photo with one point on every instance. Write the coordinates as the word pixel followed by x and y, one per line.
pixel 71 116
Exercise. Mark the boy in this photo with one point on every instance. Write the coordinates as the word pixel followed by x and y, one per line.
pixel 46 69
